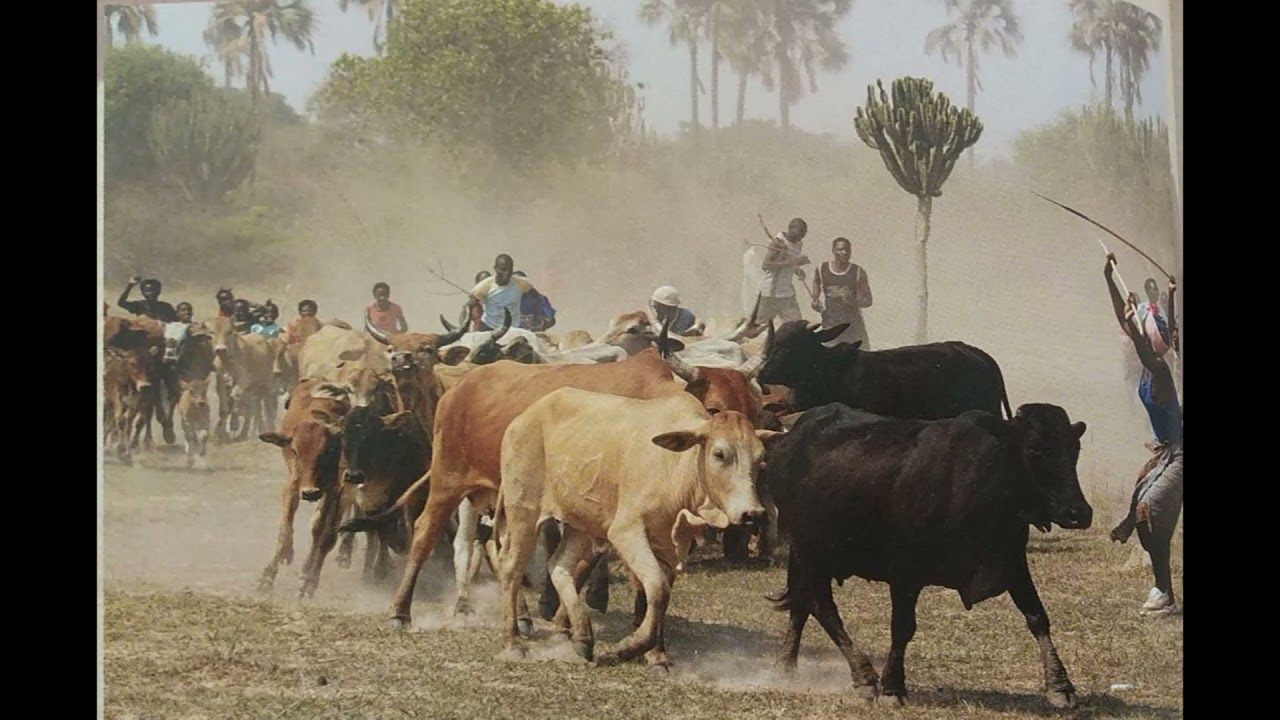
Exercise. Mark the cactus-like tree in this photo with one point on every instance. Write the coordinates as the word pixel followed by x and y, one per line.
pixel 206 145
pixel 919 136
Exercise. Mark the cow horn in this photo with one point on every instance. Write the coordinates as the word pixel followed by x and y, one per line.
pixel 677 364
pixel 752 366
pixel 447 326
pixel 506 325
pixel 768 339
pixel 376 333
pixel 813 326
pixel 745 327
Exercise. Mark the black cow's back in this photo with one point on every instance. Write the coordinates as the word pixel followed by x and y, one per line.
pixel 874 496
pixel 928 382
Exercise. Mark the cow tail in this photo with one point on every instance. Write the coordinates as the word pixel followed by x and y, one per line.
pixel 1004 394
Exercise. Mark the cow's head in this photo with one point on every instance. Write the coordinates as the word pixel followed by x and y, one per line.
pixel 137 366
pixel 176 337
pixel 225 341
pixel 634 333
pixel 730 452
pixel 362 431
pixel 196 392
pixel 412 352
pixel 718 389
pixel 795 352
pixel 1048 445
pixel 314 446
pixel 490 351
pixel 364 386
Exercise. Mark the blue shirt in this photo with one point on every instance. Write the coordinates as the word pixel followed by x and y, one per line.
pixel 268 330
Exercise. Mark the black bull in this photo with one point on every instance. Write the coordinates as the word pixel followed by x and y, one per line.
pixel 918 503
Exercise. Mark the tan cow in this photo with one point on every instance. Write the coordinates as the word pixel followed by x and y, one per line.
pixel 620 470
pixel 194 414
pixel 575 339
pixel 310 440
pixel 128 383
pixel 334 344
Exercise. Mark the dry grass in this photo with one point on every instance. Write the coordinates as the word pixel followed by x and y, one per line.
pixel 218 651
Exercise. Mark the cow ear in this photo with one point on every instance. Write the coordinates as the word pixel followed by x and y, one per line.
pixel 682 535
pixel 274 438
pixel 826 336
pixel 679 441
pixel 1078 429
pixel 769 436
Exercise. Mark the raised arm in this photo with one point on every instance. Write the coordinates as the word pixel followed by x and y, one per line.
pixel 1173 321
pixel 864 288
pixel 124 296
pixel 1117 302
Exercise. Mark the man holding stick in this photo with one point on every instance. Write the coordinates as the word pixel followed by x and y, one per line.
pixel 1157 497
pixel 783 261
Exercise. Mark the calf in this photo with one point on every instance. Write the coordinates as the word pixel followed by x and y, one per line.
pixel 127 383
pixel 193 410
pixel 928 382
pixel 917 503
pixel 620 470
pixel 310 439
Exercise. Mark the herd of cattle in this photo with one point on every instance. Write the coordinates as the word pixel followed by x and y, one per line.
pixel 905 466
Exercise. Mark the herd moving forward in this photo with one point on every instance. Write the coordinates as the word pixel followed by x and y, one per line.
pixel 905 465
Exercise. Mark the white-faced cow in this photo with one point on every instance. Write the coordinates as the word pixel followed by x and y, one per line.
pixel 569 458
pixel 921 503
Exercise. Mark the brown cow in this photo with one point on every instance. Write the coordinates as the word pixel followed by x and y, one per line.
pixel 467 436
pixel 193 411
pixel 310 439
pixel 129 388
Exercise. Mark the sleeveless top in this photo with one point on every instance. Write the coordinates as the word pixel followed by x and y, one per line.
pixel 1166 417
pixel 839 290
pixel 779 283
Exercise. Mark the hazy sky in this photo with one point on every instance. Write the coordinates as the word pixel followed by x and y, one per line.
pixel 885 40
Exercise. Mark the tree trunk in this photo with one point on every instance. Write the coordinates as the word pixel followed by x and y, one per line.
pixel 924 211
pixel 971 73
pixel 715 84
pixel 693 87
pixel 1110 75
pixel 742 101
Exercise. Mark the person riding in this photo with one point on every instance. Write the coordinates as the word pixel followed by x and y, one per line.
pixel 305 325
pixel 840 292
pixel 266 326
pixel 665 304
pixel 226 302
pixel 384 314
pixel 1157 497
pixel 536 313
pixel 503 291
pixel 150 305
pixel 242 319
pixel 783 260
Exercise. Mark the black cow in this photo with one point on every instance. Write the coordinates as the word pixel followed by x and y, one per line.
pixel 918 503
pixel 929 382
pixel 384 454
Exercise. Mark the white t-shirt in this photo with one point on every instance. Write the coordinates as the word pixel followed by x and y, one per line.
pixel 780 283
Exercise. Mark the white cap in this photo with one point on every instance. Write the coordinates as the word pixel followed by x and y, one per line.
pixel 666 295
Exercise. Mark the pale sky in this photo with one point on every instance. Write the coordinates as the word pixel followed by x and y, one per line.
pixel 885 40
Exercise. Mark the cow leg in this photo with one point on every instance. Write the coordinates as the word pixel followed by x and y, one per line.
pixel 123 433
pixel 427 530
pixel 824 609
pixel 520 537
pixel 169 378
pixel 893 681
pixel 1057 687
pixel 597 582
pixel 284 538
pixel 769 533
pixel 347 546
pixel 225 407
pixel 382 561
pixel 463 549
pixel 574 546
pixel 633 547
pixel 371 541
pixel 797 599
pixel 548 601
pixel 324 537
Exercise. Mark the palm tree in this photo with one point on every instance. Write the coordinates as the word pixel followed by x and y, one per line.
pixel 130 20
pixel 1121 32
pixel 381 13
pixel 685 20
pixel 747 40
pixel 239 29
pixel 979 25
pixel 805 36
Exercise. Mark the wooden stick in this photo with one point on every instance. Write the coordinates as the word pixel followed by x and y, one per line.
pixel 769 235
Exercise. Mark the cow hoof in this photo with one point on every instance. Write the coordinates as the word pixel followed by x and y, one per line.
pixel 894 700
pixel 585 650
pixel 265 584
pixel 660 669
pixel 344 562
pixel 169 436
pixel 1061 700
pixel 286 557
pixel 512 653
pixel 870 693
pixel 525 626
pixel 462 607
pixel 399 622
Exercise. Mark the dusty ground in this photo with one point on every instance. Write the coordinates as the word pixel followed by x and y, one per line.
pixel 186 635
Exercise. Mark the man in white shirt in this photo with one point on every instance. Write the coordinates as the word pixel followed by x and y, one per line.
pixel 781 265
pixel 503 290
